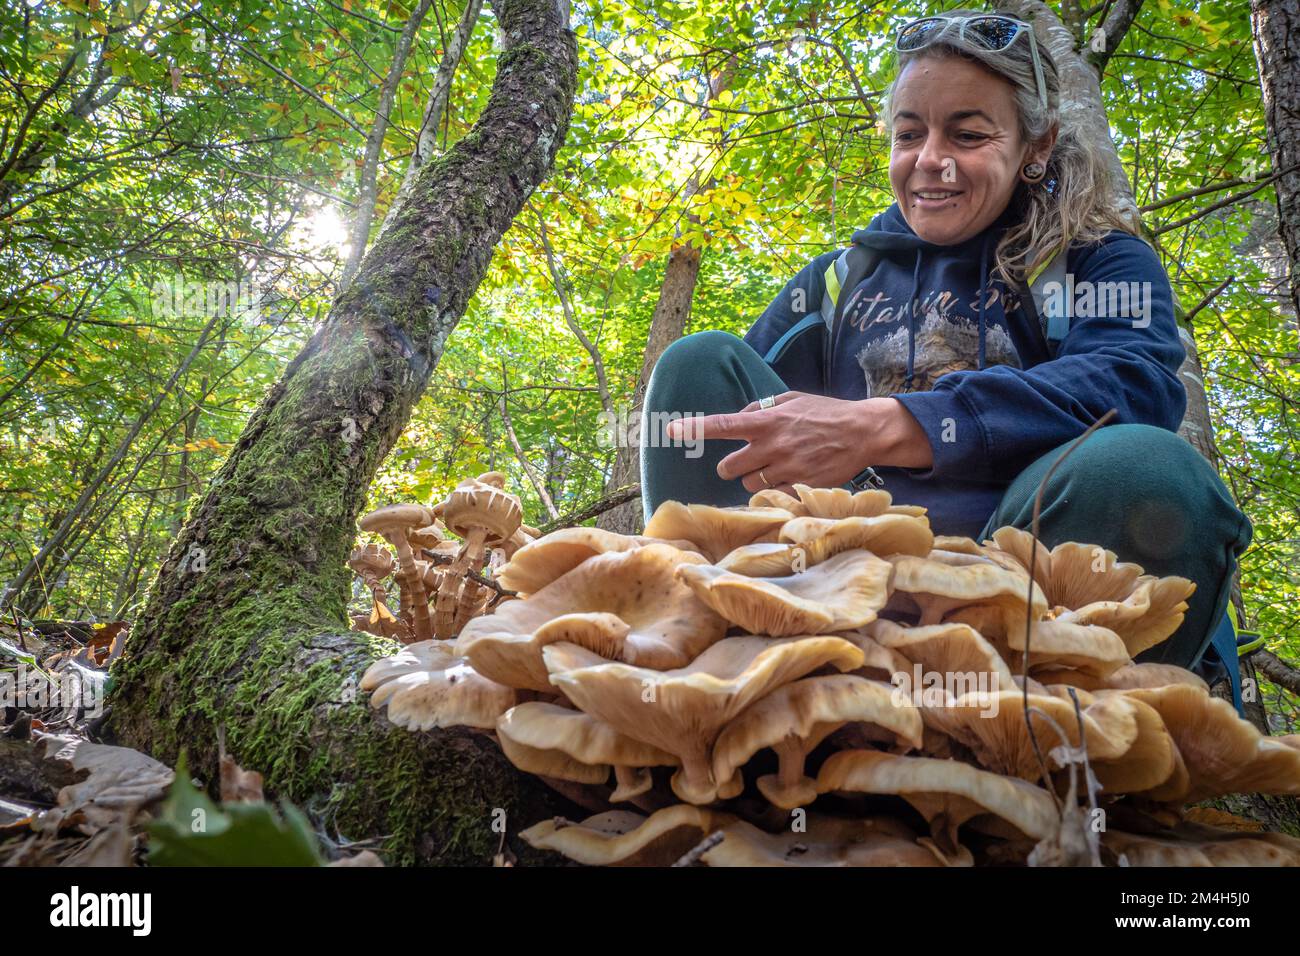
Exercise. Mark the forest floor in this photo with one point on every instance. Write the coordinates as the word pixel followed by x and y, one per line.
pixel 69 797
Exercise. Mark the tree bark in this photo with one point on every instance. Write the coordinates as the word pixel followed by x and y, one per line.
pixel 1276 26
pixel 436 106
pixel 245 626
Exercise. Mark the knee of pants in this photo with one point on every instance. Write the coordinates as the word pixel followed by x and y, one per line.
pixel 1165 493
pixel 712 346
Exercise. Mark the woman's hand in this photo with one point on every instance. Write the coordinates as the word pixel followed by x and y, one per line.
pixel 819 441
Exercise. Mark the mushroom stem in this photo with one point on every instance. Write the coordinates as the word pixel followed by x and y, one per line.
pixel 449 599
pixel 792 754
pixel 789 787
pixel 632 782
pixel 408 578
pixel 932 611
pixel 693 782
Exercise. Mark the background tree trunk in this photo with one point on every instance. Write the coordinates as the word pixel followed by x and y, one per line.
pixel 245 627
pixel 672 312
pixel 1276 26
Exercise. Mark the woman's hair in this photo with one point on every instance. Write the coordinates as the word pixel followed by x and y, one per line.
pixel 1076 201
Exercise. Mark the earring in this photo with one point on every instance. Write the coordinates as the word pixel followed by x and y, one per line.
pixel 1033 172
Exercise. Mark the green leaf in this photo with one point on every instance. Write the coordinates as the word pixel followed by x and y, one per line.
pixel 194 831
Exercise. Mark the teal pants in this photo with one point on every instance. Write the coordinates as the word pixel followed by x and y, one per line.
pixel 1139 491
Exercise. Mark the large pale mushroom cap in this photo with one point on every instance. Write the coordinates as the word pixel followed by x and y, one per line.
pixel 1222 752
pixel 392 518
pixel 1053 645
pixel 625 605
pixel 481 503
pixel 1129 675
pixel 426 685
pixel 842 503
pixel 797 717
pixel 829 841
pixel 956 544
pixel 682 711
pixel 946 792
pixel 540 562
pixel 1152 612
pixel 772 498
pixel 1150 762
pixel 623 838
pixel 1071 574
pixel 935 589
pixel 952 649
pixel 431 537
pixel 993 727
pixel 373 562
pixel 883 534
pixel 878 662
pixel 715 531
pixel 556 741
pixel 413 658
pixel 841 593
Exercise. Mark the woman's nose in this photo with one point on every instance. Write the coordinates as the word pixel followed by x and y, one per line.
pixel 933 157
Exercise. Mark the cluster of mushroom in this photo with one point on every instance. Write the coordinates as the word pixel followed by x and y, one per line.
pixel 826 682
pixel 429 568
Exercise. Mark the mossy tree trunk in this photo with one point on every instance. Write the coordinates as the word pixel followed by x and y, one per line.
pixel 245 628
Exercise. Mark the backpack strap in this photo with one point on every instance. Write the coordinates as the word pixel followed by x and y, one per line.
pixel 1052 295
pixel 845 274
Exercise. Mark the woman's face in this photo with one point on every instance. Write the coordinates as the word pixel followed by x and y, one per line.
pixel 956 153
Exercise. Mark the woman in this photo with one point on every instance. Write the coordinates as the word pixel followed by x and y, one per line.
pixel 939 375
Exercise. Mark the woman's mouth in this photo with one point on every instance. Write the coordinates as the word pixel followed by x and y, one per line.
pixel 934 198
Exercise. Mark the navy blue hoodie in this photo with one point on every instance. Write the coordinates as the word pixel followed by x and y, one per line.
pixel 972 367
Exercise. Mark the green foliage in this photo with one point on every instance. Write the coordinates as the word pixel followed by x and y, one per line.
pixel 192 830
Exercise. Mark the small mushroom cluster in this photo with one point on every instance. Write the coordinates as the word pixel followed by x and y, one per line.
pixel 442 583
pixel 818 679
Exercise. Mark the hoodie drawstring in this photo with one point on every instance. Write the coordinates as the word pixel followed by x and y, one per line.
pixel 911 322
pixel 984 263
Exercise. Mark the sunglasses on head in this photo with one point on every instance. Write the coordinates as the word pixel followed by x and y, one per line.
pixel 991 31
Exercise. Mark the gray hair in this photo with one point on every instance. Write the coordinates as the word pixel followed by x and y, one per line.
pixel 1077 201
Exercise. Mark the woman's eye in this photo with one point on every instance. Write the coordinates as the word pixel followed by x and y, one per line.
pixel 971 137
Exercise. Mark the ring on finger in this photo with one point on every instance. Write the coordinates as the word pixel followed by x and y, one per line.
pixel 767 402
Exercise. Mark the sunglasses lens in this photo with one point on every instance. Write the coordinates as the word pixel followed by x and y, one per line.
pixel 917 34
pixel 996 33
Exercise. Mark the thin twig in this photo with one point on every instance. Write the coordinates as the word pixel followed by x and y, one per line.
pixel 1187 319
pixel 1029 598
pixel 22 638
pixel 433 557
pixel 538 485
pixel 600 506
pixel 704 846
